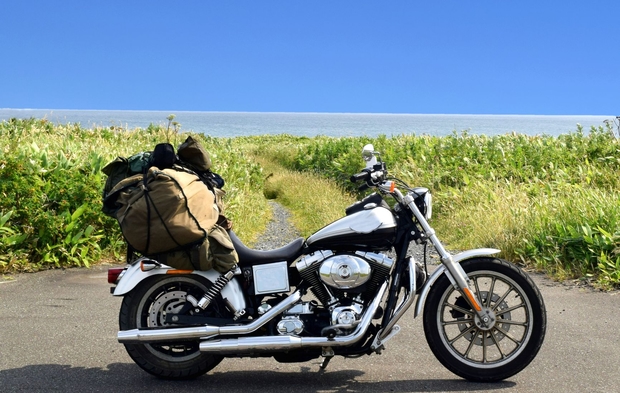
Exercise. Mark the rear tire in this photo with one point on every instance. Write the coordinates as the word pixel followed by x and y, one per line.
pixel 475 352
pixel 147 305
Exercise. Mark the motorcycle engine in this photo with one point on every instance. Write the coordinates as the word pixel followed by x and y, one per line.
pixel 334 277
pixel 342 283
pixel 344 271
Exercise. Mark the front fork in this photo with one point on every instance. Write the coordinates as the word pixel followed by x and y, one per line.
pixel 460 281
pixel 457 276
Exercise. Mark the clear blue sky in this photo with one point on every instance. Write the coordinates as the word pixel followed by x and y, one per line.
pixel 478 57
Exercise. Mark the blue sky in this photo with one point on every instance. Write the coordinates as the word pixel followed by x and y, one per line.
pixel 466 57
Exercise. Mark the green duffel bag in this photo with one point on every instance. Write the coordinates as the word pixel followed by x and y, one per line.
pixel 192 258
pixel 222 255
pixel 217 252
pixel 192 154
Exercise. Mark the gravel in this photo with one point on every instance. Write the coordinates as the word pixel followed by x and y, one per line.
pixel 279 231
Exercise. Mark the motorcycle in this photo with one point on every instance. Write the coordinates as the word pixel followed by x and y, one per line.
pixel 339 292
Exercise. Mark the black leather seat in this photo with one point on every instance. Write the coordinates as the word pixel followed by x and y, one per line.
pixel 250 257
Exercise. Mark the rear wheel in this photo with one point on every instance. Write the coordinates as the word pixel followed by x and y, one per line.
pixel 147 307
pixel 508 343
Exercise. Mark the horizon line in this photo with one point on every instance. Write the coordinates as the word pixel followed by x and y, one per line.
pixel 302 112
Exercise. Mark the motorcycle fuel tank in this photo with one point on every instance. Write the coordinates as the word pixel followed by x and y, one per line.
pixel 373 228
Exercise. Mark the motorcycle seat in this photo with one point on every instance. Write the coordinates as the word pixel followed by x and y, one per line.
pixel 250 257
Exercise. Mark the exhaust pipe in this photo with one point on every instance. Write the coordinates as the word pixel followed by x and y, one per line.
pixel 263 344
pixel 407 301
pixel 192 333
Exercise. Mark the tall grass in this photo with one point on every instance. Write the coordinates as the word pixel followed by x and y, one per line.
pixel 548 202
pixel 51 185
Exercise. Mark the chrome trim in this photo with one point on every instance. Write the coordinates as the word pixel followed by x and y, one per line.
pixel 281 343
pixel 311 259
pixel 458 258
pixel 404 306
pixel 379 259
pixel 344 271
pixel 175 334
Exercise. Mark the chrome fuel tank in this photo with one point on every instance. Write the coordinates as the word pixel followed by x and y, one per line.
pixel 373 228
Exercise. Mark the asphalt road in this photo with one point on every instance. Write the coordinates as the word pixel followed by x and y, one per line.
pixel 58 330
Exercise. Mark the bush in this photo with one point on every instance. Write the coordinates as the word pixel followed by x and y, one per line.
pixel 51 186
pixel 549 202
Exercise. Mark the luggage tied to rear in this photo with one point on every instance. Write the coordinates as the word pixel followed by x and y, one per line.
pixel 171 215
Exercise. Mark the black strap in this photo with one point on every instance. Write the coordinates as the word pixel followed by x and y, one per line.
pixel 147 198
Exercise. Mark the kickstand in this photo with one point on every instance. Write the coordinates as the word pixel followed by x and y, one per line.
pixel 328 354
pixel 325 362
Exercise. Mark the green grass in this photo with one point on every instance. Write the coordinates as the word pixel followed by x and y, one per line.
pixel 51 185
pixel 549 203
pixel 313 202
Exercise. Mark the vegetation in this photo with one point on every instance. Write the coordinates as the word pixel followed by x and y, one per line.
pixel 547 202
pixel 51 187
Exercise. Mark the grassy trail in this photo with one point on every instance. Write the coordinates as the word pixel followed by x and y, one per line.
pixel 549 202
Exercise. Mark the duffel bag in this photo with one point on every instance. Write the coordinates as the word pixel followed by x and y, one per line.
pixel 165 210
pixel 217 252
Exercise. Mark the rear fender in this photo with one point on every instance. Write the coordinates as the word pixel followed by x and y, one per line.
pixel 134 275
pixel 458 258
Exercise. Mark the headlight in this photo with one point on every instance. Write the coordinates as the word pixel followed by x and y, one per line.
pixel 424 201
pixel 428 201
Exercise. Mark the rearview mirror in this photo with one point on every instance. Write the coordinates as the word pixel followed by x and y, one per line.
pixel 369 155
pixel 368 152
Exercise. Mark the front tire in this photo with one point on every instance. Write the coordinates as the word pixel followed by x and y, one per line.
pixel 468 348
pixel 146 307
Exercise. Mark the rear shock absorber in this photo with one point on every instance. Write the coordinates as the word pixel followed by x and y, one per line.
pixel 216 288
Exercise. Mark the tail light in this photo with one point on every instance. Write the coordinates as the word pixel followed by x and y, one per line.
pixel 114 274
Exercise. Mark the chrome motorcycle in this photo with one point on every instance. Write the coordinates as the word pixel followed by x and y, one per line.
pixel 339 292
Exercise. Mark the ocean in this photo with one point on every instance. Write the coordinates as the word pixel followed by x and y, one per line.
pixel 232 124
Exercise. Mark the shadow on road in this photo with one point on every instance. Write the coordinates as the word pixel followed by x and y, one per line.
pixel 120 377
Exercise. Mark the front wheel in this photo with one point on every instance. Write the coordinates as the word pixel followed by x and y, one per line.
pixel 508 343
pixel 147 306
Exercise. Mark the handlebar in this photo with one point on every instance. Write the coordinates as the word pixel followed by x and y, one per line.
pixel 364 175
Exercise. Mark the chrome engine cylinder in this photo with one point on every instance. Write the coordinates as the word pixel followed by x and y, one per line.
pixel 344 271
pixel 329 274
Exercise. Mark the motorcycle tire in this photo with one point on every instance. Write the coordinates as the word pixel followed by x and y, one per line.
pixel 146 307
pixel 511 341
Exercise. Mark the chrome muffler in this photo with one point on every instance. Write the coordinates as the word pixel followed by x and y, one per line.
pixel 233 346
pixel 254 344
pixel 188 333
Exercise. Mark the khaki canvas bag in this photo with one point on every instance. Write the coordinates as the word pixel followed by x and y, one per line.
pixel 165 210
pixel 217 252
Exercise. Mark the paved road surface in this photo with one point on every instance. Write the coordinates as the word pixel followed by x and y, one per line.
pixel 58 330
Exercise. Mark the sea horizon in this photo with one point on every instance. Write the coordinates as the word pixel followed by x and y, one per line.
pixel 243 123
pixel 297 112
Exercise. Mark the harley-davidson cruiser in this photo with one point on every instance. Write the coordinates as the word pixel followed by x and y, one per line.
pixel 339 292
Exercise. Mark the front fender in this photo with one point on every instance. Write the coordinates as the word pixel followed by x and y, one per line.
pixel 458 258
pixel 134 275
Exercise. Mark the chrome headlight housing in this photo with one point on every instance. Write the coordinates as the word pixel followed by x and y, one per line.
pixel 424 201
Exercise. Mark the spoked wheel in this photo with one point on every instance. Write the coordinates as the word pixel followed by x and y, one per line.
pixel 509 338
pixel 147 307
